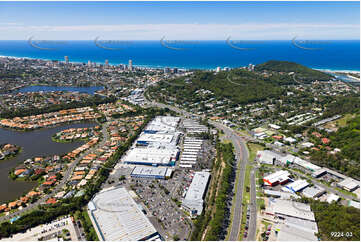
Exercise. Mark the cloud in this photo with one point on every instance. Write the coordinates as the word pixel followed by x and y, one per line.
pixel 275 31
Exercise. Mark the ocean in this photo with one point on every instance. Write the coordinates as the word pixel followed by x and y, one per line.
pixel 325 55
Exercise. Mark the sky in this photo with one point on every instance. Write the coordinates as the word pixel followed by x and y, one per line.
pixel 179 20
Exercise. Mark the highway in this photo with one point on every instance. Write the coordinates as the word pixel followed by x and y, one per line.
pixel 241 154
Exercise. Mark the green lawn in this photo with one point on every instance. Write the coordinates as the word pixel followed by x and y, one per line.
pixel 343 121
pixel 253 148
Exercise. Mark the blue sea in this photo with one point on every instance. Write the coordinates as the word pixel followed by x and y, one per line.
pixel 327 54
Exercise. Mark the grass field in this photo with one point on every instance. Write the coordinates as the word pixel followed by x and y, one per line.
pixel 253 148
pixel 342 121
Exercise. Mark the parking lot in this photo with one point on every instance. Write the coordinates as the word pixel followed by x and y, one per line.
pixel 59 229
pixel 162 199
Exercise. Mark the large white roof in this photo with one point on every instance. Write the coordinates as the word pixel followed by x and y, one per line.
pixel 277 176
pixel 150 171
pixel 297 185
pixel 349 184
pixel 194 196
pixel 117 217
pixel 292 209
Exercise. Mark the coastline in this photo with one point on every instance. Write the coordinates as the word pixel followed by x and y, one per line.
pixel 339 71
pixel 149 66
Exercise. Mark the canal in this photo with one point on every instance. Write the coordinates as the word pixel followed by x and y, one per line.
pixel 33 143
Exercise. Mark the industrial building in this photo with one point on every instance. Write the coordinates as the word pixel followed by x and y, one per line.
pixel 163 124
pixel 151 156
pixel 332 198
pixel 354 204
pixel 286 208
pixel 324 171
pixel 193 201
pixel 116 216
pixel 148 137
pixel 319 173
pixel 151 172
pixel 294 229
pixel 287 159
pixel 157 144
pixel 305 164
pixel 280 194
pixel 267 157
pixel 279 177
pixel 349 184
pixel 313 192
pixel 296 186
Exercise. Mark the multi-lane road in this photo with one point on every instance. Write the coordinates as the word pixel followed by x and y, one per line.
pixel 241 154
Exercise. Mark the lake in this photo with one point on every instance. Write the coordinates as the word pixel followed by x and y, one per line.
pixel 33 143
pixel 89 90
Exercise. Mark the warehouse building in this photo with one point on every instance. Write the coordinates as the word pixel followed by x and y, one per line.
pixel 286 208
pixel 349 184
pixel 305 164
pixel 193 201
pixel 294 229
pixel 332 198
pixel 287 159
pixel 151 172
pixel 163 124
pixel 267 157
pixel 279 177
pixel 152 156
pixel 147 138
pixel 117 217
pixel 354 204
pixel 319 173
pixel 313 192
pixel 296 186
pixel 280 194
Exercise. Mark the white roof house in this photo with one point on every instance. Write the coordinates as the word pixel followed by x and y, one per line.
pixel 274 126
pixel 290 139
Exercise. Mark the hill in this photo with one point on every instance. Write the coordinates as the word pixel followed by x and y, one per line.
pixel 240 86
pixel 302 72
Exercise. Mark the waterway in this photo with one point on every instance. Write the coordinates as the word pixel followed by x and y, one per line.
pixel 89 90
pixel 33 143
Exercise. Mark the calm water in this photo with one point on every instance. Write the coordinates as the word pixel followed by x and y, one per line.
pixel 328 54
pixel 89 90
pixel 33 143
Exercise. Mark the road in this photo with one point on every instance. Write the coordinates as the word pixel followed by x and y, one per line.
pixel 252 228
pixel 61 184
pixel 241 154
